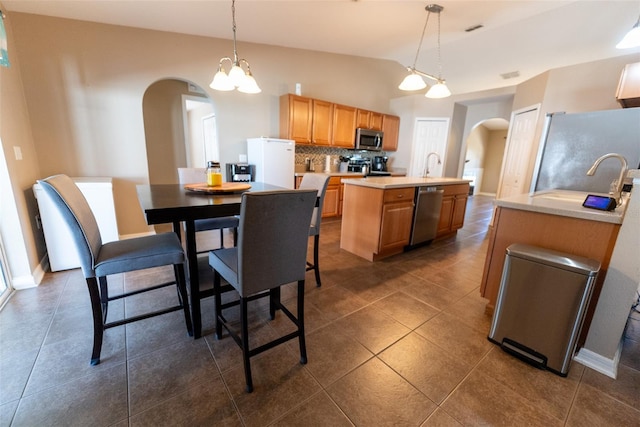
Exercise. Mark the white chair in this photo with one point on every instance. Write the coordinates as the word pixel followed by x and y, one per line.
pixel 272 250
pixel 198 175
pixel 319 182
pixel 101 260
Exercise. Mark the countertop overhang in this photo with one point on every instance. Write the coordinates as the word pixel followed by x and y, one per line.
pixel 386 182
pixel 566 203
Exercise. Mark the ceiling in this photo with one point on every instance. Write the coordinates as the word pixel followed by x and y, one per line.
pixel 522 38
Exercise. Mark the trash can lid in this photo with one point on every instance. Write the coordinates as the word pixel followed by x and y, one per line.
pixel 576 263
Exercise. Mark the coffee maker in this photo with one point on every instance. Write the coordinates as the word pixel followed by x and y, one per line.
pixel 380 163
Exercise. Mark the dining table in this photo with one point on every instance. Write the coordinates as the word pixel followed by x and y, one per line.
pixel 176 205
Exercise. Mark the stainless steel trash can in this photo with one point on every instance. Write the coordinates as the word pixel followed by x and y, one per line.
pixel 541 305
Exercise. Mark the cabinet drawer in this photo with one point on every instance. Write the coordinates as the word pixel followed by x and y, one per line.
pixel 399 195
pixel 450 190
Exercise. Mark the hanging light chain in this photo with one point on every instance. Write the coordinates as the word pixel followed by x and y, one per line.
pixel 233 20
pixel 439 54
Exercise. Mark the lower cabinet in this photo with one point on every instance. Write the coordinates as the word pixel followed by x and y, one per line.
pixel 395 230
pixel 454 205
pixel 332 206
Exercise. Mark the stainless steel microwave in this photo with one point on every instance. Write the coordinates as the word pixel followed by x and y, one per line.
pixel 367 139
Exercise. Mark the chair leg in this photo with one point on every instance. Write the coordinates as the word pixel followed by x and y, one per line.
pixel 245 344
pixel 274 300
pixel 218 303
pixel 303 345
pixel 104 297
pixel 316 265
pixel 181 283
pixel 98 323
pixel 221 238
pixel 235 236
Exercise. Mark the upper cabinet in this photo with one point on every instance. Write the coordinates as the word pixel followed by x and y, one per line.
pixel 344 126
pixel 390 129
pixel 369 120
pixel 306 120
pixel 628 94
pixel 314 122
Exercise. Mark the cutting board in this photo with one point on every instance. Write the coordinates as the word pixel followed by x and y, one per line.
pixel 226 187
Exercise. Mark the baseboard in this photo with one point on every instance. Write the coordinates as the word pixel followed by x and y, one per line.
pixel 33 280
pixel 481 193
pixel 608 367
pixel 134 235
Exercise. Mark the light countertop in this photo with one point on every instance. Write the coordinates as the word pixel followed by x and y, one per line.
pixel 564 203
pixel 346 174
pixel 385 182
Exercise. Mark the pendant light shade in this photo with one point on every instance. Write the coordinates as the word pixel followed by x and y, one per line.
pixel 237 78
pixel 632 38
pixel 414 81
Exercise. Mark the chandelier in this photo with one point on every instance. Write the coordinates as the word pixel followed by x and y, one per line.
pixel 414 80
pixel 237 78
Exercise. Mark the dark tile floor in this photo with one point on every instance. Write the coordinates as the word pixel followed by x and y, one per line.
pixel 399 342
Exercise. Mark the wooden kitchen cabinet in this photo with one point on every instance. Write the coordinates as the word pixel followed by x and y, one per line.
pixel 368 119
pixel 454 205
pixel 344 126
pixel 296 118
pixel 306 120
pixel 397 215
pixel 390 129
pixel 628 93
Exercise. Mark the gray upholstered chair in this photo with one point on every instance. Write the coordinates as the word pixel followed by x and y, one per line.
pixel 101 260
pixel 194 176
pixel 319 182
pixel 271 251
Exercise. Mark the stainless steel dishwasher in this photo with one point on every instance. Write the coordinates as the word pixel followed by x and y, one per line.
pixel 426 214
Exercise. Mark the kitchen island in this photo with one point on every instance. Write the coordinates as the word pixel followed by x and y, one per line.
pixel 553 220
pixel 377 212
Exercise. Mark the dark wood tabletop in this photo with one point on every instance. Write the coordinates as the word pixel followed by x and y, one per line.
pixel 168 203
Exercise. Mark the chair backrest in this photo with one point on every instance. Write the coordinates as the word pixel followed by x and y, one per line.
pixel 272 238
pixel 319 182
pixel 75 210
pixel 192 175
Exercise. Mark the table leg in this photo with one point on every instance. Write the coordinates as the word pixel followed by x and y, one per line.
pixel 194 279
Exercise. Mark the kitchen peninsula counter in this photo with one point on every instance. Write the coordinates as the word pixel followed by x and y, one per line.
pixel 554 220
pixel 377 212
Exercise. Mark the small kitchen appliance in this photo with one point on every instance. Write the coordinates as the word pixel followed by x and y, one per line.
pixel 240 172
pixel 380 163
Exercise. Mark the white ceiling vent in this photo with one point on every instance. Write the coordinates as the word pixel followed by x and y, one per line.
pixel 510 75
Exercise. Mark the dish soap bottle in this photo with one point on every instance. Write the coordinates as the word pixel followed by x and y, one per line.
pixel 214 175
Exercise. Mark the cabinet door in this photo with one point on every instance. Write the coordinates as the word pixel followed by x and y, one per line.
pixel 362 118
pixel 459 209
pixel 390 127
pixel 344 126
pixel 331 206
pixel 375 121
pixel 298 111
pixel 444 224
pixel 396 225
pixel 322 121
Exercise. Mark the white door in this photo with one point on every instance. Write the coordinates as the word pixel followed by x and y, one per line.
pixel 517 155
pixel 431 136
pixel 5 282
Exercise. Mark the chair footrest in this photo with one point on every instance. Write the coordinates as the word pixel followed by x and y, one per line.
pixel 142 316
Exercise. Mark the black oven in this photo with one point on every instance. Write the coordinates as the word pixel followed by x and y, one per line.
pixel 367 139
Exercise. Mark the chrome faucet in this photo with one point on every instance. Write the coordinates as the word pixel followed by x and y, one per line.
pixel 623 173
pixel 426 173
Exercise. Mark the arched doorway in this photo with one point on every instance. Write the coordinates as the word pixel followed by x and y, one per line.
pixel 179 126
pixel 485 151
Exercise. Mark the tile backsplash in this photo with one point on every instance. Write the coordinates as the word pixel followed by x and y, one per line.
pixel 318 155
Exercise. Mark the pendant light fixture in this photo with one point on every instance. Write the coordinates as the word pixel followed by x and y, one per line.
pixel 237 78
pixel 414 80
pixel 632 39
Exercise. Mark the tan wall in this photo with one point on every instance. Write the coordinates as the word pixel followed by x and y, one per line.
pixel 84 85
pixel 493 160
pixel 24 248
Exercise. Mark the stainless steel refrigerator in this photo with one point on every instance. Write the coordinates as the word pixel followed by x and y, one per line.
pixel 570 144
pixel 274 160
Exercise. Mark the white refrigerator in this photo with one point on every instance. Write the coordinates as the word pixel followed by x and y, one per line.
pixel 274 160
